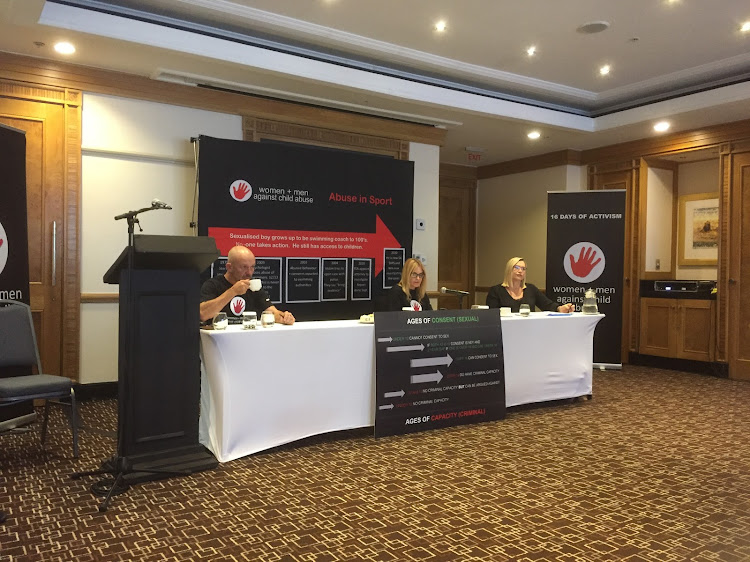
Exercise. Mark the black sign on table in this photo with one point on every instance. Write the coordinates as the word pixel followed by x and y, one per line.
pixel 361 279
pixel 268 270
pixel 437 369
pixel 394 264
pixel 302 280
pixel 334 279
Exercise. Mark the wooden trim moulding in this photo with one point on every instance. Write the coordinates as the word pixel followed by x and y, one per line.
pixel 458 171
pixel 99 297
pixel 35 71
pixel 549 160
pixel 713 135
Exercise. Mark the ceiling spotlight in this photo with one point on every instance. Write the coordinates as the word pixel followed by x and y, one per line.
pixel 65 48
pixel 661 126
pixel 533 135
pixel 440 26
pixel 592 27
pixel 531 51
pixel 605 70
pixel 745 27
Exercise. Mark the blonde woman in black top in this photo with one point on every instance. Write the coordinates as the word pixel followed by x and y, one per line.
pixel 411 290
pixel 514 291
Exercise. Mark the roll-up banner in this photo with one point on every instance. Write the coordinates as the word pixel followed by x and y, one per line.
pixel 14 246
pixel 585 249
pixel 330 229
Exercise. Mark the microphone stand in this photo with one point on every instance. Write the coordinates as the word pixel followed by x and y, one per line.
pixel 118 466
pixel 460 301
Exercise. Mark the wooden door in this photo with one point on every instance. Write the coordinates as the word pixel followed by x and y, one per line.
pixel 738 270
pixel 52 219
pixel 456 234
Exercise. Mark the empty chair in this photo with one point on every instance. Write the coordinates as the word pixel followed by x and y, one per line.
pixel 18 349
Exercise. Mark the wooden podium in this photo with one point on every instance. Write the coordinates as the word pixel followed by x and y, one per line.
pixel 159 364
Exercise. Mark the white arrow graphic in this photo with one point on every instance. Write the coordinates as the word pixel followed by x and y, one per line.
pixel 388 339
pixel 419 347
pixel 386 407
pixel 427 377
pixel 431 361
pixel 400 394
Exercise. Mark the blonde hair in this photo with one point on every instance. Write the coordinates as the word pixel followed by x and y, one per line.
pixel 409 267
pixel 512 262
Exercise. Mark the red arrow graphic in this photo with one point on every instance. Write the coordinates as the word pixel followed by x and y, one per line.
pixel 308 243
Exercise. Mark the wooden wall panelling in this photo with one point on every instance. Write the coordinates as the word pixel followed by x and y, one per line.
pixel 725 254
pixel 457 232
pixel 738 281
pixel 625 175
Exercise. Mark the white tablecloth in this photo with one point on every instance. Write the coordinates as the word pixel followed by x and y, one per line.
pixel 270 386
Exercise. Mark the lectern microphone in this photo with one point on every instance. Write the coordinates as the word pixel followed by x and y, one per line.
pixel 447 291
pixel 158 204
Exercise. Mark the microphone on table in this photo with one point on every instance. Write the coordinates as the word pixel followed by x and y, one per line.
pixel 158 204
pixel 447 291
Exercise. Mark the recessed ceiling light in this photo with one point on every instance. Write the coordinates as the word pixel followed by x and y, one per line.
pixel 531 51
pixel 440 26
pixel 661 126
pixel 605 70
pixel 533 135
pixel 593 27
pixel 745 27
pixel 65 48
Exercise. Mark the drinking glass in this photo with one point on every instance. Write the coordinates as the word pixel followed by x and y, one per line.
pixel 267 320
pixel 221 321
pixel 249 320
pixel 524 310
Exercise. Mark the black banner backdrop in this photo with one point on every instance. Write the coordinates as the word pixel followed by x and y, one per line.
pixel 586 249
pixel 14 246
pixel 321 222
pixel 437 369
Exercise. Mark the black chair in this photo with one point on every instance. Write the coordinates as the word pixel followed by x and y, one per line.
pixel 18 349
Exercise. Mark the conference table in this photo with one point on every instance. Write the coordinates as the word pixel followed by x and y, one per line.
pixel 270 386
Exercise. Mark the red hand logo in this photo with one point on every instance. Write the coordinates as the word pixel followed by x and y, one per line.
pixel 238 306
pixel 585 263
pixel 1 241
pixel 241 190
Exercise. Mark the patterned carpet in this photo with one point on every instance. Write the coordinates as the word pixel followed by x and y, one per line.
pixel 655 467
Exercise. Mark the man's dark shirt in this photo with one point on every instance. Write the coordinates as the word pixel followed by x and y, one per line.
pixel 251 300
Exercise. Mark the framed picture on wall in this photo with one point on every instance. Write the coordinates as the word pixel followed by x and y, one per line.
pixel 698 229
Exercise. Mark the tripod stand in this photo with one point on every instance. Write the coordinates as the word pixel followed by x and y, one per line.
pixel 158 371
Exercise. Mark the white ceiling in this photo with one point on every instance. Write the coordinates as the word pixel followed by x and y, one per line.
pixel 685 61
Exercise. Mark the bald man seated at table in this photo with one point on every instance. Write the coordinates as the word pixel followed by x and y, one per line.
pixel 231 292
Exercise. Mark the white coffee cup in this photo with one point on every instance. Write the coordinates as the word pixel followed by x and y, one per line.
pixel 504 311
pixel 255 285
pixel 479 307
